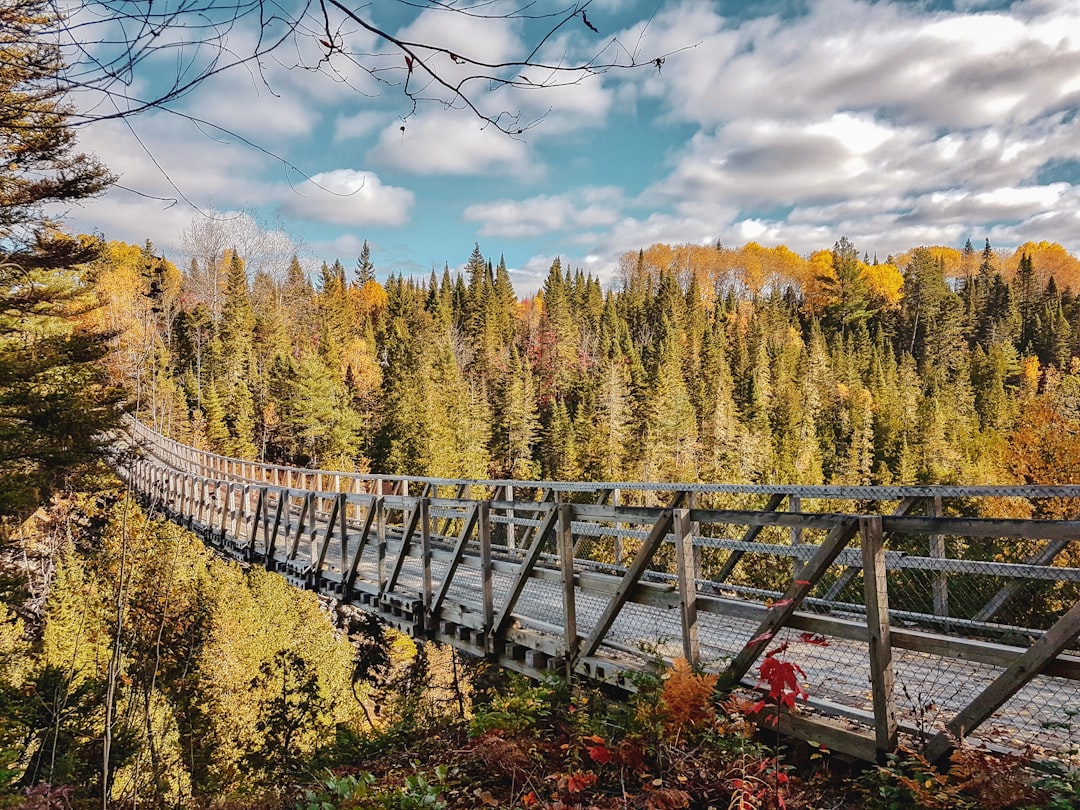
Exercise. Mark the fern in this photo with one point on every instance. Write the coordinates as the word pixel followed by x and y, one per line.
pixel 687 697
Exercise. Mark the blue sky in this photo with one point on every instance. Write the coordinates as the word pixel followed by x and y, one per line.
pixel 895 124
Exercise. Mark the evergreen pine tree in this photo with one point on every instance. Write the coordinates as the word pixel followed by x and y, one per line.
pixel 607 411
pixel 669 448
pixel 1025 290
pixel 57 406
pixel 236 335
pixel 846 291
pixel 518 424
pixel 560 446
pixel 365 267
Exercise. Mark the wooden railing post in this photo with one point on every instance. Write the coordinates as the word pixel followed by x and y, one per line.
pixel 241 513
pixel 486 585
pixel 616 500
pixel 425 553
pixel 510 527
pixel 343 529
pixel 380 516
pixel 200 509
pixel 937 551
pixel 794 504
pixel 684 553
pixel 566 565
pixel 226 508
pixel 876 590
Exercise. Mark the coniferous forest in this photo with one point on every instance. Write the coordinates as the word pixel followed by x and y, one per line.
pixel 749 365
pixel 137 669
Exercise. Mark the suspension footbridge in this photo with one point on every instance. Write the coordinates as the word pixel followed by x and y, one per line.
pixel 912 613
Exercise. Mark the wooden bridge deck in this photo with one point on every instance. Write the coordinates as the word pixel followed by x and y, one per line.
pixel 941 627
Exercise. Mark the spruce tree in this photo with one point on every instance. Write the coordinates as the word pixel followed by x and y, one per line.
pixel 236 335
pixel 1025 289
pixel 608 411
pixel 365 267
pixel 517 421
pixel 56 404
pixel 847 295
pixel 721 433
pixel 669 448
pixel 560 447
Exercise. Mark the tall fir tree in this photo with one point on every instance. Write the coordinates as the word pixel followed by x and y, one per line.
pixel 57 404
pixel 365 267
pixel 236 336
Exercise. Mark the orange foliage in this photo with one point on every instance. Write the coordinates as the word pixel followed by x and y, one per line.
pixel 886 283
pixel 1049 259
pixel 1029 376
pixel 758 269
pixel 772 267
pixel 367 373
pixel 369 300
pixel 1045 449
pixel 819 266
pixel 687 698
pixel 752 266
pixel 126 310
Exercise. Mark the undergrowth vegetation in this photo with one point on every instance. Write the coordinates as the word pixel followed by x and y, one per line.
pixel 155 675
pixel 552 746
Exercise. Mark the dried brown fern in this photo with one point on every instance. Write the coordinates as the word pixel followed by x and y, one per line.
pixel 687 698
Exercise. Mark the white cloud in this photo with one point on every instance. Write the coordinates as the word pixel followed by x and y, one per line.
pixel 349 197
pixel 238 104
pixel 766 162
pixel 167 156
pixel 943 69
pixel 345 245
pixel 168 170
pixel 131 218
pixel 359 125
pixel 468 32
pixel 452 143
pixel 583 208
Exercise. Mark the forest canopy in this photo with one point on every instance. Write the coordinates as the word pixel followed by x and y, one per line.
pixel 747 364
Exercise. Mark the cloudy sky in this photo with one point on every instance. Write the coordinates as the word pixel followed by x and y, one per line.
pixel 789 122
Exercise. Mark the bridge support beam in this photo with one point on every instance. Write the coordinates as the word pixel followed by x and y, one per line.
pixel 684 559
pixel 876 591
pixel 566 565
pixel 780 612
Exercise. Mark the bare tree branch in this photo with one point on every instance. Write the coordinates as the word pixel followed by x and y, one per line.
pixel 107 42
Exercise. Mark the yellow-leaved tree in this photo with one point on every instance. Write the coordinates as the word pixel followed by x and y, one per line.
pixel 274 679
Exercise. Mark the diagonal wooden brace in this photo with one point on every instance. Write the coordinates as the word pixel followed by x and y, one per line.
pixel 349 578
pixel 630 579
pixel 1007 684
pixel 406 547
pixel 459 550
pixel 780 613
pixel 525 570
